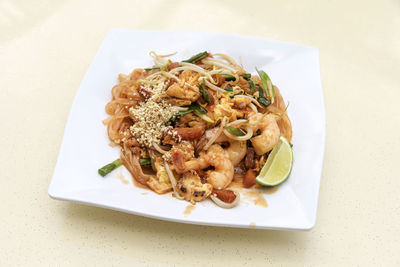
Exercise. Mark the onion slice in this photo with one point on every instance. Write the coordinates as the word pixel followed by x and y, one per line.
pixel 225 205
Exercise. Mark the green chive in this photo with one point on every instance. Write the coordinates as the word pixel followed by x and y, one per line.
pixel 246 76
pixel 251 85
pixel 197 108
pixel 103 171
pixel 267 83
pixel 154 68
pixel 229 78
pixel 145 161
pixel 180 113
pixel 234 131
pixel 197 57
pixel 204 93
pixel 262 99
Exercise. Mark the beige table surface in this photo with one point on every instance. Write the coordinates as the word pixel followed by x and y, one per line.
pixel 46 47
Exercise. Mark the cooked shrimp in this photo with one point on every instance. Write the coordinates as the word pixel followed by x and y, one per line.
pixel 222 176
pixel 216 157
pixel 270 132
pixel 236 150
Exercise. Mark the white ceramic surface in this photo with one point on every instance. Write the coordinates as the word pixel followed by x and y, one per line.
pixel 293 68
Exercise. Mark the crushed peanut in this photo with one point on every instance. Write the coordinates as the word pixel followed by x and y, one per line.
pixel 151 116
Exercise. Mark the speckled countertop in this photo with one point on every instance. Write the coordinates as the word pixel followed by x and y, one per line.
pixel 45 49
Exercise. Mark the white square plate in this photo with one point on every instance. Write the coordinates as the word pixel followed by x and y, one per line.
pixel 85 147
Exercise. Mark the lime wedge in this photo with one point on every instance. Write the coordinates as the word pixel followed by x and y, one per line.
pixel 278 166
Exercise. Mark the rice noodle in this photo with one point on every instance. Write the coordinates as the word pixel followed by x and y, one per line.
pixel 225 205
pixel 172 180
pixel 158 148
pixel 216 135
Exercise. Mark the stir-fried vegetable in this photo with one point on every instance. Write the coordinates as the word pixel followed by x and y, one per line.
pixel 261 98
pixel 200 111
pixel 103 171
pixel 145 161
pixel 246 76
pixel 180 113
pixel 251 85
pixel 153 68
pixel 267 83
pixel 234 131
pixel 204 93
pixel 197 108
pixel 197 57
pixel 229 78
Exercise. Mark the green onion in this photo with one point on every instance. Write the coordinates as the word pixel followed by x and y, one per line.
pixel 197 57
pixel 251 85
pixel 204 93
pixel 145 161
pixel 206 118
pixel 229 89
pixel 234 131
pixel 264 101
pixel 103 171
pixel 262 98
pixel 180 113
pixel 267 83
pixel 246 76
pixel 229 78
pixel 200 111
pixel 154 68
pixel 258 132
pixel 197 108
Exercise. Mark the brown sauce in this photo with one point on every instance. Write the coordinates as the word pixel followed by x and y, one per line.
pixel 270 190
pixel 189 209
pixel 260 201
pixel 122 178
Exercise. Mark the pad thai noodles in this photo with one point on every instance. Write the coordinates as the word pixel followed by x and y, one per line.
pixel 188 127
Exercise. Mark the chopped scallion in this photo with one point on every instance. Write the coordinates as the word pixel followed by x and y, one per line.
pixel 234 131
pixel 145 161
pixel 197 57
pixel 204 93
pixel 229 78
pixel 103 171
